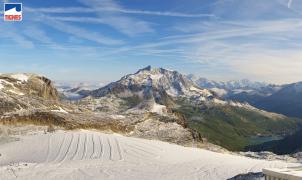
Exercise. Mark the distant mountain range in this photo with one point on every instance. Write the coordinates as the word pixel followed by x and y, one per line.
pixel 284 99
pixel 228 85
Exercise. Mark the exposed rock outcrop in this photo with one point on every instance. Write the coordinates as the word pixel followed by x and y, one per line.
pixel 28 85
pixel 19 92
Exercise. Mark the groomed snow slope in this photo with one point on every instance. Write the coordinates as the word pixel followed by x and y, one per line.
pixel 94 155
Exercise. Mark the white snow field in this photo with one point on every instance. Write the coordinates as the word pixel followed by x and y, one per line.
pixel 93 155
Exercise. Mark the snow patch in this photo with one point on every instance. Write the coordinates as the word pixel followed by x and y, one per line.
pixel 201 91
pixel 20 77
pixel 160 109
pixel 2 82
pixel 1 85
pixel 156 76
pixel 219 92
pixel 15 92
pixel 218 101
pixel 172 92
pixel 238 91
pixel 116 116
pixel 59 110
pixel 236 104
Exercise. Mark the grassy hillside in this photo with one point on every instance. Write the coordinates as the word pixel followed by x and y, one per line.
pixel 231 127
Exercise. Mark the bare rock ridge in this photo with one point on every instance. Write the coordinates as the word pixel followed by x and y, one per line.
pixel 153 103
pixel 167 93
pixel 28 98
pixel 28 84
pixel 146 80
pixel 153 89
pixel 20 92
pixel 157 89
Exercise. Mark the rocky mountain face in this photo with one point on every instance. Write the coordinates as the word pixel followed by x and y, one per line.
pixel 25 91
pixel 153 89
pixel 153 103
pixel 166 93
pixel 29 98
pixel 29 85
pixel 150 94
pixel 157 90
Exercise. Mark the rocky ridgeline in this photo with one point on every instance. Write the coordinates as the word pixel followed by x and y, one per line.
pixel 28 85
pixel 19 92
pixel 151 89
pixel 151 103
pixel 29 98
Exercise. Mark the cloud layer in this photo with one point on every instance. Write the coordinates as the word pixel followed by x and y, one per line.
pixel 227 39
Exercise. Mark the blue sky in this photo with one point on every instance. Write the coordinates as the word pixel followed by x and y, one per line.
pixel 102 40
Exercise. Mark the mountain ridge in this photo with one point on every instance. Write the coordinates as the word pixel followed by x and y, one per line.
pixel 283 99
pixel 171 92
pixel 152 103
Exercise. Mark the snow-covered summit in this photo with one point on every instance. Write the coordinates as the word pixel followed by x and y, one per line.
pixel 157 90
pixel 236 88
pixel 227 85
pixel 157 80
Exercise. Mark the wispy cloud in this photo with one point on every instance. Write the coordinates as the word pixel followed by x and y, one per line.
pixel 247 30
pixel 125 24
pixel 19 39
pixel 8 32
pixel 289 3
pixel 257 39
pixel 273 66
pixel 238 29
pixel 233 48
pixel 69 10
pixel 108 13
pixel 37 34
pixel 111 13
pixel 78 31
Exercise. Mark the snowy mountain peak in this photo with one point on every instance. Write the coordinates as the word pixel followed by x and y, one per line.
pixel 227 85
pixel 147 68
pixel 153 79
pixel 152 71
pixel 151 89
